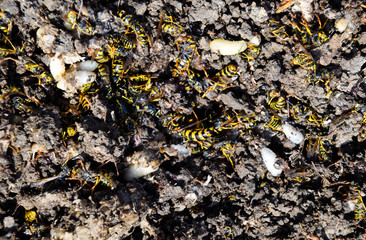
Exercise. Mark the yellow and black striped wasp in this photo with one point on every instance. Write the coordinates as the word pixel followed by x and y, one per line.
pixel 324 148
pixel 170 25
pixel 119 46
pixel 305 60
pixel 277 30
pixel 5 51
pixel 251 52
pixel 128 20
pixel 274 123
pixel 105 82
pixel 306 36
pixel 68 133
pixel 33 220
pixel 100 57
pixel 39 72
pixel 221 80
pixel 6 22
pixel 274 100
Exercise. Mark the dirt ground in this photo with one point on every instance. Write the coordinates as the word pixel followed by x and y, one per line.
pixel 134 166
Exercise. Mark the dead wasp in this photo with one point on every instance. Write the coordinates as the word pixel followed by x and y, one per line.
pixel 118 71
pixel 274 123
pixel 193 83
pixel 278 31
pixel 251 52
pixel 40 73
pixel 306 36
pixel 119 46
pixel 220 81
pixel 100 57
pixel 7 21
pixel 11 51
pixel 182 64
pixel 128 20
pixel 173 29
pixel 324 148
pixel 170 25
pixel 86 27
pixel 68 133
pixel 305 61
pixel 321 75
pixel 31 216
pixel 103 73
pixel 274 100
pixel 70 20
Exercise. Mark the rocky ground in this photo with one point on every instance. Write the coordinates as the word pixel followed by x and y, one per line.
pixel 128 168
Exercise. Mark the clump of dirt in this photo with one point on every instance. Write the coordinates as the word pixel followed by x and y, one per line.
pixel 124 124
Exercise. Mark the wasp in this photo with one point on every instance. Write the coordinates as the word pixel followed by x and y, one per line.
pixel 305 61
pixel 227 149
pixel 321 75
pixel 103 179
pixel 11 51
pixel 274 123
pixel 360 209
pixel 194 83
pixel 313 119
pixel 275 101
pixel 279 32
pixel 6 19
pixel 68 133
pixel 70 20
pixel 203 137
pixel 118 71
pixel 182 64
pixel 187 48
pixel 324 148
pixel 317 38
pixel 128 20
pixel 37 229
pixel 298 111
pixel 40 73
pixel 103 72
pixel 172 29
pixel 148 109
pixel 229 73
pixel 172 121
pixel 100 57
pixel 31 216
pixel 119 46
pixel 19 104
pixel 146 86
pixel 251 53
pixel 86 27
pixel 156 94
pixel 84 102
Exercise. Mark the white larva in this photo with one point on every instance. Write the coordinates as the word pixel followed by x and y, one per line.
pixel 269 158
pixel 292 133
pixel 226 47
pixel 57 67
pixel 88 65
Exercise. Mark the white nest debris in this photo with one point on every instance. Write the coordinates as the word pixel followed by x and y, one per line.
pixel 270 160
pixel 226 47
pixel 141 163
pixel 46 36
pixel 342 23
pixel 292 133
pixel 73 78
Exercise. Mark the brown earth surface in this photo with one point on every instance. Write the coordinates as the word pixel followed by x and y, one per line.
pixel 193 191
